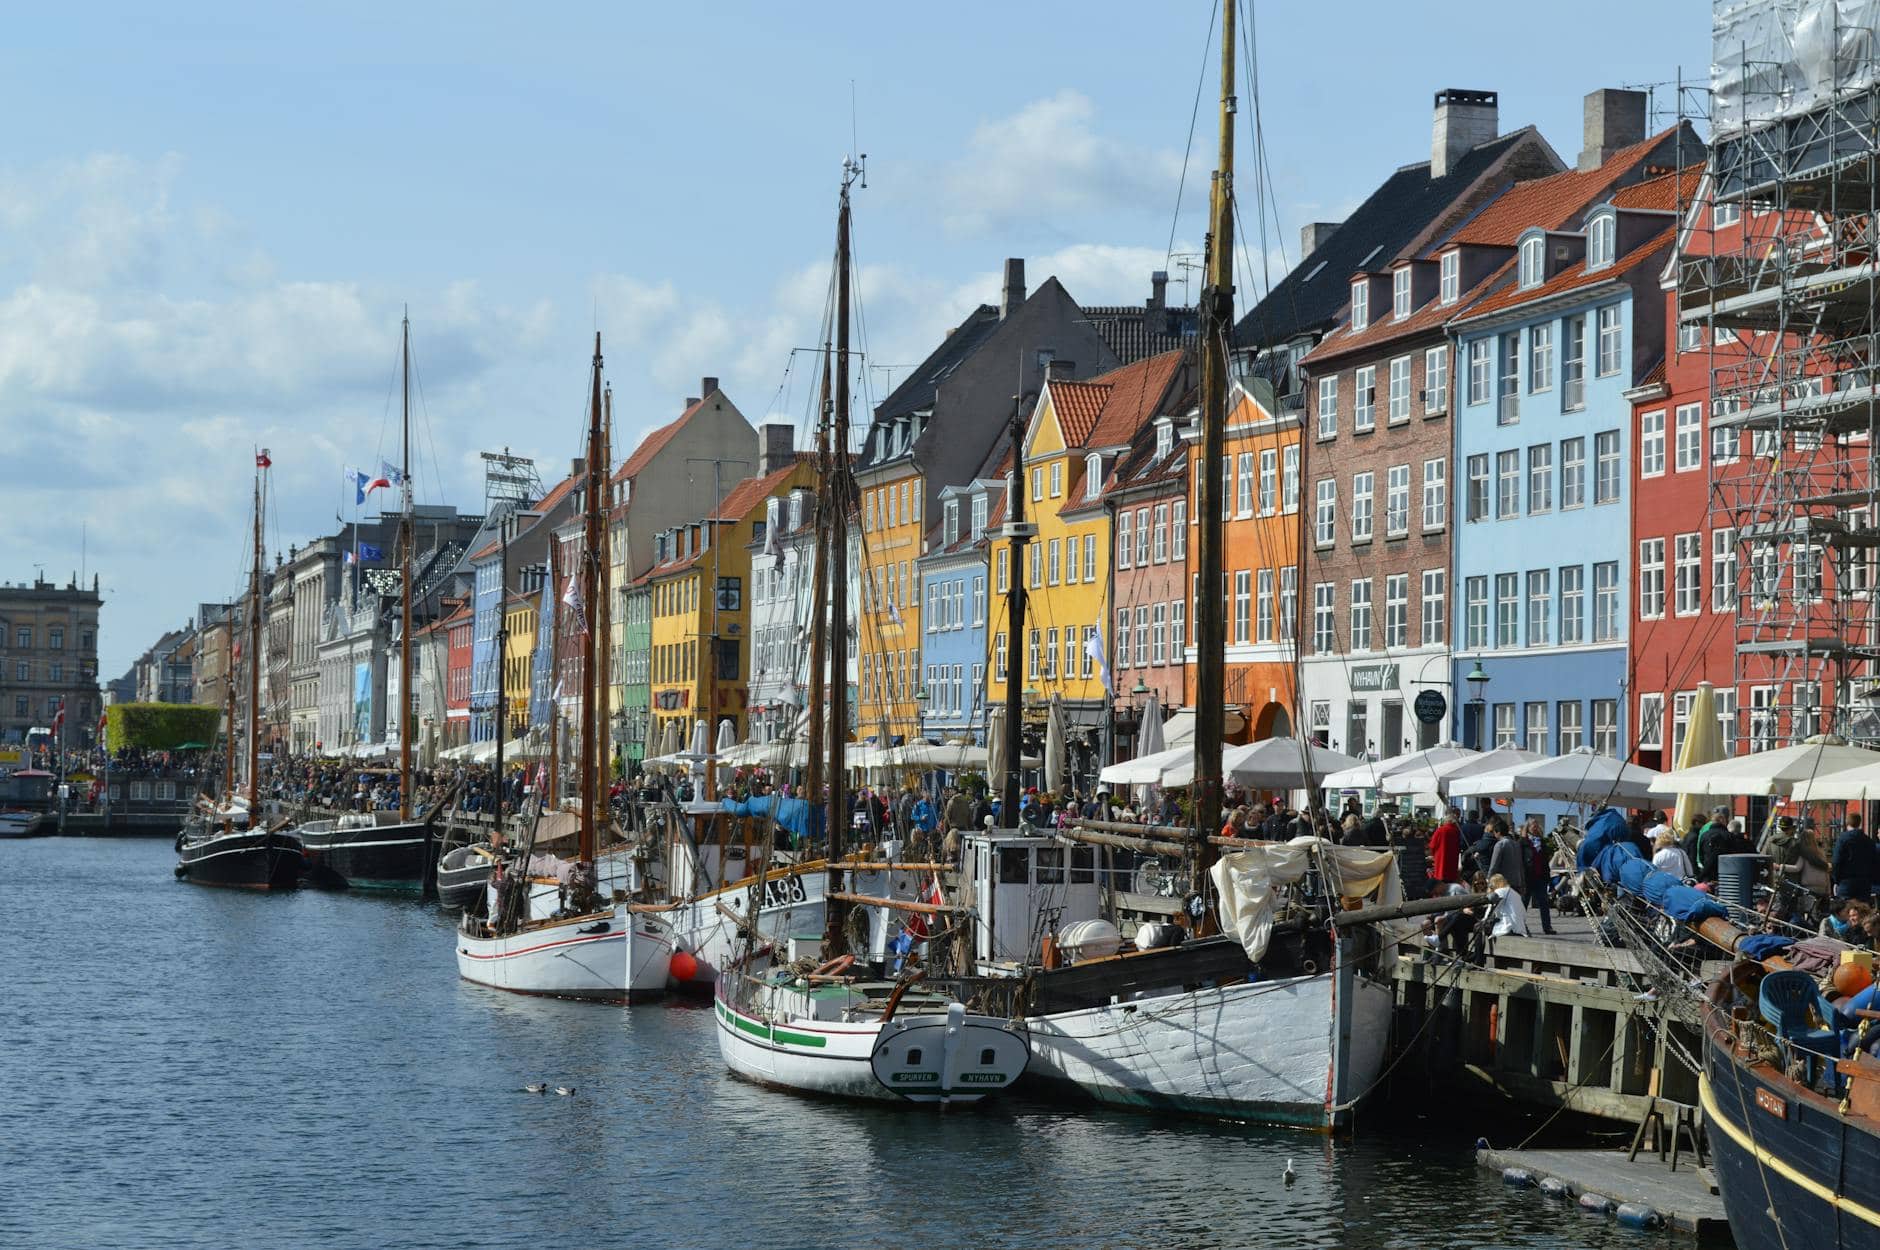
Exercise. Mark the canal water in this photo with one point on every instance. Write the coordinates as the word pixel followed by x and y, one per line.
pixel 194 1067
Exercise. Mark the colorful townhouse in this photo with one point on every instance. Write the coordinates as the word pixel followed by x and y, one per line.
pixel 1147 645
pixel 530 531
pixel 1382 606
pixel 783 560
pixel 1543 542
pixel 954 586
pixel 520 615
pixel 459 625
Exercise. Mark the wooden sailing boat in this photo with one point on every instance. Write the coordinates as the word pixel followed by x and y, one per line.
pixel 387 850
pixel 590 948
pixel 231 846
pixel 830 1032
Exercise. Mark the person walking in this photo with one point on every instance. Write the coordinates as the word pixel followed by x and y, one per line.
pixel 1537 883
pixel 1446 850
pixel 1853 862
pixel 1509 859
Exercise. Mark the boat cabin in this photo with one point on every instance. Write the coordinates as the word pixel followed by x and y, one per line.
pixel 1023 887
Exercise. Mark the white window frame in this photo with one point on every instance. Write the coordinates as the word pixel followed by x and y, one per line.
pixel 1269 481
pixel 1571 629
pixel 1476 626
pixel 1436 380
pixel 1540 358
pixel 1689 454
pixel 1364 399
pixel 1328 407
pixel 1687 565
pixel 1651 719
pixel 1608 477
pixel 1478 497
pixel 1651 443
pixel 1507 611
pixel 1540 478
pixel 1363 485
pixel 1435 493
pixel 1651 579
pixel 1601 240
pixel 1398 409
pixel 1325 513
pixel 1722 568
pixel 1324 617
pixel 1397 501
pixel 1289 479
pixel 1360 304
pixel 1532 265
pixel 1396 611
pixel 1435 607
pixel 1481 370
pixel 1540 604
pixel 1606 623
pixel 1362 625
pixel 1449 284
pixel 1400 293
pixel 1610 341
pixel 1507 484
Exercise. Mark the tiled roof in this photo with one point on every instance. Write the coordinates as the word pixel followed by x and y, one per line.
pixel 1077 405
pixel 1665 193
pixel 1572 278
pixel 1135 331
pixel 655 443
pixel 1316 289
pixel 1549 203
pixel 1136 391
pixel 918 388
pixel 748 493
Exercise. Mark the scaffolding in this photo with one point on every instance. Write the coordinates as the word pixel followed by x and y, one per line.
pixel 1776 278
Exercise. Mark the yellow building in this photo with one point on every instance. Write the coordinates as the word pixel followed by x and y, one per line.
pixel 1078 433
pixel 701 612
pixel 887 567
pixel 520 615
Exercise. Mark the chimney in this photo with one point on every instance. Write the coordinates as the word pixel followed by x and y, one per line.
pixel 1313 234
pixel 1464 119
pixel 691 402
pixel 776 448
pixel 1611 119
pixel 707 386
pixel 1060 370
pixel 1014 293
pixel 1158 289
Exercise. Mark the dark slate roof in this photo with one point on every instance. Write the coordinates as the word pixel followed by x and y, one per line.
pixel 917 390
pixel 1135 331
pixel 1312 294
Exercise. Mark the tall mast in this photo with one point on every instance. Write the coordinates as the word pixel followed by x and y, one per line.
pixel 1217 321
pixel 603 610
pixel 254 658
pixel 839 484
pixel 228 681
pixel 1015 616
pixel 553 789
pixel 591 579
pixel 819 591
pixel 405 544
pixel 502 657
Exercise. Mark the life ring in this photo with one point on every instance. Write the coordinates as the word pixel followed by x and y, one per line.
pixel 835 967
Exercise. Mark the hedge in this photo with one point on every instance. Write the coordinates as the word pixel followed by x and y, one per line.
pixel 160 726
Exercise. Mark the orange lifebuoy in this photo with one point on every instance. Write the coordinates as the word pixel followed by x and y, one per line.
pixel 835 967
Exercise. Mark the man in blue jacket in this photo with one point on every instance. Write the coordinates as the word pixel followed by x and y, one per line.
pixel 1853 863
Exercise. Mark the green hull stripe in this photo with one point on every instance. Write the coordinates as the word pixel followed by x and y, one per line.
pixel 771 1034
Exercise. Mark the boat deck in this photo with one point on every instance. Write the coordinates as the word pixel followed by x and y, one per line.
pixel 1686 1199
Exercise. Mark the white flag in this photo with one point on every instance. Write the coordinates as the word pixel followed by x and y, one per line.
pixel 1093 647
pixel 572 597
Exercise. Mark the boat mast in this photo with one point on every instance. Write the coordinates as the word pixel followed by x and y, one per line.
pixel 405 537
pixel 819 590
pixel 552 790
pixel 228 748
pixel 840 487
pixel 254 657
pixel 1217 322
pixel 603 610
pixel 1014 617
pixel 502 658
pixel 591 562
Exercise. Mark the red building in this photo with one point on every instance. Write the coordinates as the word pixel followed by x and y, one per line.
pixel 459 625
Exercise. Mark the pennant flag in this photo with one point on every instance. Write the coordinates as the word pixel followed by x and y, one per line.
pixel 390 476
pixel 261 459
pixel 1093 647
pixel 364 483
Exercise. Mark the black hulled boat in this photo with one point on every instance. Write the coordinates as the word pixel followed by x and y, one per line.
pixel 241 859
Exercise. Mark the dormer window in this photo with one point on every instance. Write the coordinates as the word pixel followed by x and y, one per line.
pixel 980 505
pixel 1450 286
pixel 1360 305
pixel 1601 237
pixel 952 530
pixel 1164 439
pixel 796 510
pixel 1400 293
pixel 1093 475
pixel 1533 261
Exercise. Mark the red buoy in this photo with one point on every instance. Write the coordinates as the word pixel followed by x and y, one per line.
pixel 683 967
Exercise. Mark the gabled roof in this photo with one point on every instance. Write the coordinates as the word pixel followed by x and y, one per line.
pixel 1551 202
pixel 1077 405
pixel 1107 410
pixel 654 443
pixel 1572 278
pixel 1665 193
pixel 753 490
pixel 1315 290
pixel 918 388
pixel 559 492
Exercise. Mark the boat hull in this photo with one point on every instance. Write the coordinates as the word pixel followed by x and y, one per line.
pixel 395 858
pixel 1293 1051
pixel 241 860
pixel 1777 1146
pixel 463 879
pixel 792 906
pixel 613 957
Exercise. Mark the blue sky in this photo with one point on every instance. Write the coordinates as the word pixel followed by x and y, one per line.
pixel 209 220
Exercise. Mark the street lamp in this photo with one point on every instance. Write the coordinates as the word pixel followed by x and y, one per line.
pixel 920 711
pixel 1478 699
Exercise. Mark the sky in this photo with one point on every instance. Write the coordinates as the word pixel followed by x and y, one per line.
pixel 213 218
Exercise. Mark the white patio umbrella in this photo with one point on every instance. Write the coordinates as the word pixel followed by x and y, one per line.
pixel 1850 785
pixel 701 739
pixel 1768 772
pixel 995 749
pixel 1149 741
pixel 1703 744
pixel 1580 776
pixel 1149 770
pixel 1437 777
pixel 1366 776
pixel 1280 763
pixel 727 735
pixel 1054 745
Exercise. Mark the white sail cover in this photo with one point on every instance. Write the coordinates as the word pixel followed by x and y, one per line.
pixel 1244 882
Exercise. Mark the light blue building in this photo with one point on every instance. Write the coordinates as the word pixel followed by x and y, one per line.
pixel 953 587
pixel 1543 563
pixel 486 670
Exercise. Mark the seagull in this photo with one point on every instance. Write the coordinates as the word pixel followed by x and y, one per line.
pixel 564 1090
pixel 1290 1175
pixel 539 1087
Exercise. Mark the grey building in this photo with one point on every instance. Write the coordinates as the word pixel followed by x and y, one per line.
pixel 48 655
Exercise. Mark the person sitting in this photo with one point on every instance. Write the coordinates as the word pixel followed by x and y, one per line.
pixel 1668 856
pixel 1508 915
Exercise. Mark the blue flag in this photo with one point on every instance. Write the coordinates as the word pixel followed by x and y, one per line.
pixel 368 552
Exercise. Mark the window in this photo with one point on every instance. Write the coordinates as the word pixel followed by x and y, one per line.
pixel 1481 372
pixel 1090 550
pixel 868 511
pixel 1031 656
pixel 1610 340
pixel 1725 214
pixel 1690 454
pixel 1360 304
pixel 1397 610
pixel 1572 473
pixel 24 637
pixel 1573 366
pixel 1177 638
pixel 1328 407
pixel 1364 399
pixel 1125 538
pixel 1722 569
pixel 1533 263
pixel 1243 601
pixel 1288 601
pixel 1037 487
pixel 950 521
pixel 1535 717
pixel 1400 294
pixel 1436 380
pixel 1357 731
pixel 1122 638
pixel 1178 538
pixel 1449 287
pixel 1606 601
pixel 1651 444
pixel 1540 465
pixel 1651 578
pixel 1159 549
pixel 1651 720
pixel 1572 604
pixel 1289 480
pixel 1690 336
pixel 1808 572
pixel 1051 653
pixel 1726 720
pixel 1475 620
pixel 1142 538
pixel 998 659
pixel 1680 721
pixel 1688 565
pixel 1325 513
pixel 1269 482
pixel 1361 488
pixel 1435 592
pixel 1142 636
pixel 1507 609
pixel 979 600
pixel 1541 357
pixel 1435 493
pixel 1361 614
pixel 1263 606
pixel 1399 411
pixel 1606 467
pixel 55 638
pixel 1540 607
pixel 1600 235
pixel 1726 442
pixel 1243 493
pixel 1504 725
pixel 1507 484
pixel 1005 570
pixel 1572 738
pixel 1606 726
pixel 1164 441
pixel 1323 603
pixel 1397 501
pixel 1508 385
pixel 1056 563
pixel 1037 569
pixel 1478 488
pixel 1158 643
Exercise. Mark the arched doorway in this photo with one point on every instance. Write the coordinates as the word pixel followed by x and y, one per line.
pixel 1273 722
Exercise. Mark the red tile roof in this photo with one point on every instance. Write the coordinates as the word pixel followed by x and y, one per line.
pixel 1572 278
pixel 1665 194
pixel 1077 405
pixel 753 490
pixel 1551 202
pixel 655 443
pixel 1136 392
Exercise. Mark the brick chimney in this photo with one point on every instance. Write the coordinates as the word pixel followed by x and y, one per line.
pixel 1158 289
pixel 1313 234
pixel 776 447
pixel 1611 119
pixel 707 386
pixel 1013 293
pixel 1060 370
pixel 1464 119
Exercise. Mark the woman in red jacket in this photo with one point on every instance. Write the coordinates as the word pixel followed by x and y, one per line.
pixel 1446 849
